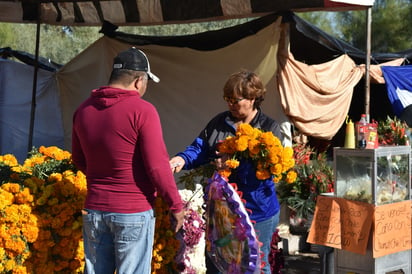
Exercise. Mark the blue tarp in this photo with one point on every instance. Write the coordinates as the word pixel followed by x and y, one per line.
pixel 399 86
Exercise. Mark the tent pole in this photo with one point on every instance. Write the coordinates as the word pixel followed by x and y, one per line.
pixel 34 90
pixel 368 58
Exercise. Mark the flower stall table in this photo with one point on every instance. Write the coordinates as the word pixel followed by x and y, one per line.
pixel 368 222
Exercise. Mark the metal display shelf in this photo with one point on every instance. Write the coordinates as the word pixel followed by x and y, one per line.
pixel 377 176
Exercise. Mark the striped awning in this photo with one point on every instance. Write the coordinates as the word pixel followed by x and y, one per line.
pixel 149 12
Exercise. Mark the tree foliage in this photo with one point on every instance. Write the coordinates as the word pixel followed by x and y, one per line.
pixel 61 44
pixel 390 26
pixel 57 43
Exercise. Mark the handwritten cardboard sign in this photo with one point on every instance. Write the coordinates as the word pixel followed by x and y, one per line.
pixel 326 224
pixel 342 224
pixel 392 228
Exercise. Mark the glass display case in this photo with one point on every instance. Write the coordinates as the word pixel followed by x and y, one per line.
pixel 376 176
pixel 379 176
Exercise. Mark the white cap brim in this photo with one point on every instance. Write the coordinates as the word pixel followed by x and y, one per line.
pixel 153 77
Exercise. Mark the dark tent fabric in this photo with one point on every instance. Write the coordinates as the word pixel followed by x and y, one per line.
pixel 29 59
pixel 305 40
pixel 407 115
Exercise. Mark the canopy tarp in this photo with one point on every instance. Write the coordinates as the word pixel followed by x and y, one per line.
pixel 133 12
pixel 188 95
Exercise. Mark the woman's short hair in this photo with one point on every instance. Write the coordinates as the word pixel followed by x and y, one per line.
pixel 245 84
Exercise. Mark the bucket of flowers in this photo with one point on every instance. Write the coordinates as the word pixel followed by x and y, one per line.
pixel 393 132
pixel 314 176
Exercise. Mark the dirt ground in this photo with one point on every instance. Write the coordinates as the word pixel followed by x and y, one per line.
pixel 307 263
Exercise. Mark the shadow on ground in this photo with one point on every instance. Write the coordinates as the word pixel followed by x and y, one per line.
pixel 308 263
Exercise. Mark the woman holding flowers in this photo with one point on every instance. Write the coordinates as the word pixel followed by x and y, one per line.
pixel 244 92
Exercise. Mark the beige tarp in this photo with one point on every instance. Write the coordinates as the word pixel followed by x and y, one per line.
pixel 317 97
pixel 190 90
pixel 375 71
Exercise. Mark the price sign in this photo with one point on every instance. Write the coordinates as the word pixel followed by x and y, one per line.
pixel 342 224
pixel 392 228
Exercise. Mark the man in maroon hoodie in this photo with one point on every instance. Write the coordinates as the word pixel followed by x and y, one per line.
pixel 117 142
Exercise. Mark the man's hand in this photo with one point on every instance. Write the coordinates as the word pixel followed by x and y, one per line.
pixel 178 220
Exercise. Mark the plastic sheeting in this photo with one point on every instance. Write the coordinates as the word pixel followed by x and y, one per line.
pixel 16 84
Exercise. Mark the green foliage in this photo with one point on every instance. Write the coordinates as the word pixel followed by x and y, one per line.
pixel 323 20
pixel 389 32
pixel 5 173
pixel 314 177
pixel 182 29
pixel 197 176
pixel 390 25
pixel 46 168
pixel 61 44
pixel 55 44
pixel 393 132
pixel 6 35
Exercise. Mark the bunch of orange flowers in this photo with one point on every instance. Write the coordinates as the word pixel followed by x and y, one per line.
pixel 40 221
pixel 165 245
pixel 264 149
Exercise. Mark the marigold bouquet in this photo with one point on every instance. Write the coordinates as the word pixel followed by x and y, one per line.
pixel 264 149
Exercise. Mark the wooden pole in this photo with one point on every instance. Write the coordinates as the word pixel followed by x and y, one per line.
pixel 367 62
pixel 34 88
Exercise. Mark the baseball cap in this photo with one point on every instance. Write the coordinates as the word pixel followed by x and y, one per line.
pixel 134 59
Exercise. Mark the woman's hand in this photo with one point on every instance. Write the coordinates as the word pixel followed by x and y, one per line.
pixel 176 164
pixel 220 161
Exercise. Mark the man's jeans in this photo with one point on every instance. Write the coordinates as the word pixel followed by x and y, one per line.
pixel 116 241
pixel 264 231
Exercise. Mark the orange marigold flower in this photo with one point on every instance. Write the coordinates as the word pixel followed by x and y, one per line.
pixel 287 153
pixel 9 159
pixel 242 143
pixel 11 187
pixel 254 147
pixel 228 146
pixel 273 158
pixel 245 129
pixel 277 178
pixel 276 169
pixel 23 197
pixel 291 176
pixel 232 163
pixel 225 173
pixel 262 174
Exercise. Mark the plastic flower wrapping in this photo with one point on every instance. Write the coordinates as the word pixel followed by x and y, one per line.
pixel 264 149
pixel 230 237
